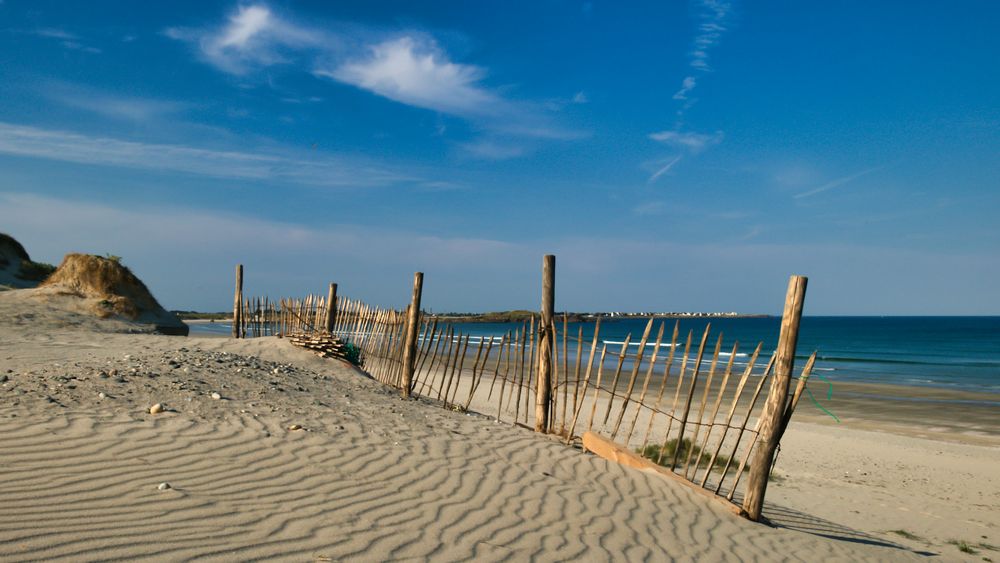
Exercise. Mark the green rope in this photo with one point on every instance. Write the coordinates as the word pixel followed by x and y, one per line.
pixel 829 395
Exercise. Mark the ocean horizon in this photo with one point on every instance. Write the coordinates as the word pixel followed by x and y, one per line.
pixel 953 352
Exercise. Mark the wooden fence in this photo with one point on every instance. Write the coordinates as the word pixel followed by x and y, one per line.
pixel 706 412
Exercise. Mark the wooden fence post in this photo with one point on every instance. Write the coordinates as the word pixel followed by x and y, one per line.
pixel 412 327
pixel 545 343
pixel 331 308
pixel 774 410
pixel 238 303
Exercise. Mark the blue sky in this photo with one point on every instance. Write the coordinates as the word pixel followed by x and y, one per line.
pixel 673 155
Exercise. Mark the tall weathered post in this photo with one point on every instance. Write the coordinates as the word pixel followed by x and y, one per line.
pixel 771 418
pixel 412 326
pixel 544 387
pixel 331 308
pixel 238 303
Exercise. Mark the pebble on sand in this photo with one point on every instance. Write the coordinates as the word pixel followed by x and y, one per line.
pixel 216 396
pixel 295 427
pixel 101 395
pixel 156 409
pixel 164 486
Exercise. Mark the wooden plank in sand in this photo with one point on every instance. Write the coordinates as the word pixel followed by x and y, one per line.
pixel 611 451
pixel 543 385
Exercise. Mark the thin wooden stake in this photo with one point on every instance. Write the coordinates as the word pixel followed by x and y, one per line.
pixel 597 386
pixel 590 365
pixel 631 380
pixel 645 383
pixel 677 393
pixel 614 382
pixel 687 404
pixel 701 409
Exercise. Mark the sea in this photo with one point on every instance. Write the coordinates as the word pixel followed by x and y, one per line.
pixel 960 353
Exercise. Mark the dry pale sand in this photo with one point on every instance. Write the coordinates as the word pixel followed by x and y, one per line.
pixel 920 473
pixel 371 476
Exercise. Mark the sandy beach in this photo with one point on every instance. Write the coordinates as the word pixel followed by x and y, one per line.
pixel 304 458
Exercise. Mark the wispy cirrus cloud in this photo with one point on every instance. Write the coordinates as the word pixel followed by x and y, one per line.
pixel 129 108
pixel 694 142
pixel 713 15
pixel 65 38
pixel 839 182
pixel 54 33
pixel 327 170
pixel 664 168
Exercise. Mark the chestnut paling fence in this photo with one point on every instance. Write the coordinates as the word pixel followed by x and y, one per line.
pixel 708 412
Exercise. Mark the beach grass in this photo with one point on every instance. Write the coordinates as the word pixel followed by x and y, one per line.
pixel 653 453
pixel 907 534
pixel 963 546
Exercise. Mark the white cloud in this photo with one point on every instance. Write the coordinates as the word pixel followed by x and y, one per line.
pixel 689 83
pixel 253 37
pixel 418 73
pixel 249 21
pixel 693 142
pixel 406 66
pixel 580 98
pixel 323 170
